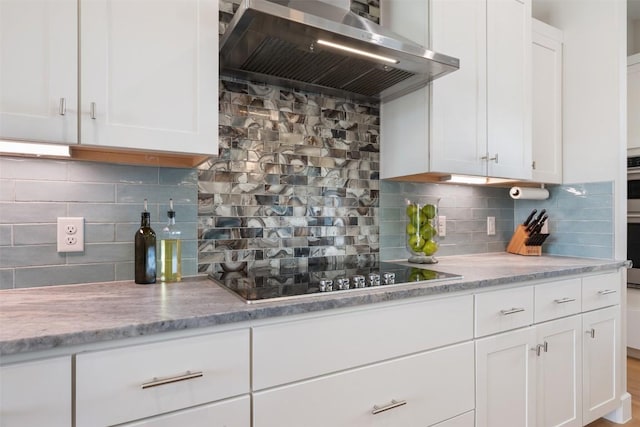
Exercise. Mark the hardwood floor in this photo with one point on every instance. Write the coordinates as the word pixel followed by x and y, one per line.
pixel 633 386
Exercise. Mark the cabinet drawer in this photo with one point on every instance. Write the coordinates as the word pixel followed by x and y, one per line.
pixel 292 351
pixel 36 393
pixel 151 379
pixel 600 291
pixel 557 299
pixel 503 310
pixel 465 420
pixel 421 389
pixel 233 412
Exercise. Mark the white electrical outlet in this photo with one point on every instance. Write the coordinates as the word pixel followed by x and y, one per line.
pixel 442 226
pixel 70 234
pixel 491 226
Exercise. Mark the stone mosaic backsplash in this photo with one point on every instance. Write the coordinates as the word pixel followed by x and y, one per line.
pixel 296 181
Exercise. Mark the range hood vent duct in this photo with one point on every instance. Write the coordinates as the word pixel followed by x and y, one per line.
pixel 284 42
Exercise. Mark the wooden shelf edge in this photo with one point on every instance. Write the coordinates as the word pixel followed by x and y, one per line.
pixel 133 157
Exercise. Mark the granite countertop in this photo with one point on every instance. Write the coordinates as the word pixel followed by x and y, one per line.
pixel 43 318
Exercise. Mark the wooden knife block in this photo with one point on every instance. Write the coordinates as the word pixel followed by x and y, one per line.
pixel 517 243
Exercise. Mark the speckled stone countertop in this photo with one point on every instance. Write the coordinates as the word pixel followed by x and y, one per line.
pixel 42 318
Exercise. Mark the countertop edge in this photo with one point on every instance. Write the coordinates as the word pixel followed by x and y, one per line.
pixel 272 310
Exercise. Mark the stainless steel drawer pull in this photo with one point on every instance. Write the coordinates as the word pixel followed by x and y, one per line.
pixel 511 311
pixel 63 107
pixel 92 110
pixel 591 332
pixel 168 380
pixel 607 292
pixel 393 404
pixel 564 300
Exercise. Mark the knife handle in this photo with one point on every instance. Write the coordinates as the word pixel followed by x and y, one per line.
pixel 529 218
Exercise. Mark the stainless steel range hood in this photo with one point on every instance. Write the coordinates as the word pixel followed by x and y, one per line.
pixel 319 47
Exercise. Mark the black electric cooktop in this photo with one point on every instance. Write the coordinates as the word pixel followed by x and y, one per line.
pixel 322 279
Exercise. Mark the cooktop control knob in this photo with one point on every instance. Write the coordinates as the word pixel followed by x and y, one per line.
pixel 389 278
pixel 326 285
pixel 374 279
pixel 342 283
pixel 359 282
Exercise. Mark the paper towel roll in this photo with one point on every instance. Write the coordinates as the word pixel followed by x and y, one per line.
pixel 526 193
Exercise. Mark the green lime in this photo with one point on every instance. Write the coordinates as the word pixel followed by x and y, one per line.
pixel 416 243
pixel 429 248
pixel 411 229
pixel 429 211
pixel 427 232
pixel 411 210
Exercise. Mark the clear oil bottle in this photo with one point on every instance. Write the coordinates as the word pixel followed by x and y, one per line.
pixel 171 249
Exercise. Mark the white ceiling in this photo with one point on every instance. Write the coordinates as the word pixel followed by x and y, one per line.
pixel 633 9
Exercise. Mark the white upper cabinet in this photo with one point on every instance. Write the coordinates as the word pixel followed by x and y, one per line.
pixel 39 71
pixel 477 120
pixel 547 103
pixel 149 74
pixel 633 102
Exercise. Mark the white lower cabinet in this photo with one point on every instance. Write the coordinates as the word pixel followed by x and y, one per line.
pixel 146 380
pixel 228 413
pixel 600 354
pixel 559 372
pixel 505 379
pixel 36 393
pixel 561 369
pixel 416 390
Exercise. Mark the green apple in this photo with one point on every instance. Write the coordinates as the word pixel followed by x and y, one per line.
pixel 429 211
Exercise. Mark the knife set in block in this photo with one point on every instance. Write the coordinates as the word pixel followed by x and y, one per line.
pixel 527 239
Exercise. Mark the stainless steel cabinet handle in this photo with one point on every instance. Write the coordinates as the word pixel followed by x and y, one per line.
pixel 607 292
pixel 511 311
pixel 62 110
pixel 168 380
pixel 92 110
pixel 393 404
pixel 564 300
pixel 591 332
pixel 494 158
pixel 545 346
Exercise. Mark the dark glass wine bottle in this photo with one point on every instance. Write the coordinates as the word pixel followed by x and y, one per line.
pixel 145 250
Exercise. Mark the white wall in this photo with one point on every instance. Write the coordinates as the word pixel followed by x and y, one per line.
pixel 594 94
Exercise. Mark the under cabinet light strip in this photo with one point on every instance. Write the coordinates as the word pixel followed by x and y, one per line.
pixel 33 149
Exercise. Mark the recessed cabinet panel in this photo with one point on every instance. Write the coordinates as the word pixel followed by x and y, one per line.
pixel 458 101
pixel 559 372
pixel 36 393
pixel 152 379
pixel 149 74
pixel 601 373
pixel 38 53
pixel 227 413
pixel 547 103
pixel 509 88
pixel 417 390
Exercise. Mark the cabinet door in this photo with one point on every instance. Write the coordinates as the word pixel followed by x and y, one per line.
pixel 36 393
pixel 559 373
pixel 547 103
pixel 38 84
pixel 601 370
pixel 633 103
pixel 509 88
pixel 505 379
pixel 418 390
pixel 458 104
pixel 149 74
pixel 232 412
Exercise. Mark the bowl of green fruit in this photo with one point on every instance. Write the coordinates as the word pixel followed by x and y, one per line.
pixel 421 230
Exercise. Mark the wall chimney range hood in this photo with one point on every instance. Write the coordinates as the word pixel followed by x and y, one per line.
pixel 320 47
